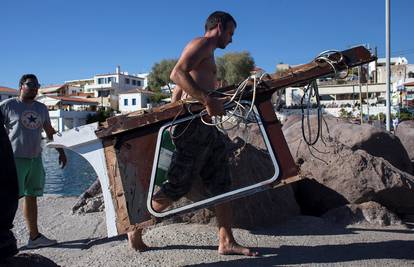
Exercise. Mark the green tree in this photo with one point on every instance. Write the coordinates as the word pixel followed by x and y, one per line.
pixel 235 67
pixel 160 75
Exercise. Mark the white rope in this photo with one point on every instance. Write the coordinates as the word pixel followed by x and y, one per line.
pixel 239 109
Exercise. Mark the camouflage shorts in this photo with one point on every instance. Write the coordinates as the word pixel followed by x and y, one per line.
pixel 200 152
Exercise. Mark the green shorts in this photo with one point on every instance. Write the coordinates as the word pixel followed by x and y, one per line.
pixel 31 176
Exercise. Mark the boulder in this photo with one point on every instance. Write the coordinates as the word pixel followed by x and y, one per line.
pixel 91 200
pixel 376 142
pixel 365 213
pixel 351 163
pixel 405 132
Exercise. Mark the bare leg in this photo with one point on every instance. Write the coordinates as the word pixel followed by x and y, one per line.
pixel 159 203
pixel 30 215
pixel 135 240
pixel 227 244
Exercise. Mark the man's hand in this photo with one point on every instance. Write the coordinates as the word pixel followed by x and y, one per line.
pixel 62 158
pixel 215 106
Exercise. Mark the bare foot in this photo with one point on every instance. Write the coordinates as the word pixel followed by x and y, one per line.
pixel 135 241
pixel 235 249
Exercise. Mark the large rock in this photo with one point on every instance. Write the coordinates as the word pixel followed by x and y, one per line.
pixel 351 164
pixel 374 141
pixel 364 213
pixel 405 132
pixel 91 200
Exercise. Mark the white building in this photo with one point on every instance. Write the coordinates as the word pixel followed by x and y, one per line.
pixel 107 87
pixel 68 112
pixel 6 93
pixel 133 100
pixel 145 77
pixel 401 71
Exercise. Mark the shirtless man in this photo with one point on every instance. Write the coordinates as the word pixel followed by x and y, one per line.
pixel 195 77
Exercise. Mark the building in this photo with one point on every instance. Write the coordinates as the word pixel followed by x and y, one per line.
pixel 406 95
pixel 107 87
pixel 401 71
pixel 60 90
pixel 133 100
pixel 369 85
pixel 6 93
pixel 68 112
pixel 145 77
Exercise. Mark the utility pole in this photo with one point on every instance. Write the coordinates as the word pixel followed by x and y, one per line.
pixel 367 102
pixel 360 94
pixel 376 66
pixel 387 66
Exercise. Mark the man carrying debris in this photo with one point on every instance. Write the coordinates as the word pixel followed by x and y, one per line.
pixel 24 119
pixel 200 149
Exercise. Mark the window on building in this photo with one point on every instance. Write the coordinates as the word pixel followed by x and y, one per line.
pixel 411 74
pixel 134 101
pixel 134 82
pixel 125 102
pixel 126 80
pixel 139 83
pixel 104 93
pixel 101 80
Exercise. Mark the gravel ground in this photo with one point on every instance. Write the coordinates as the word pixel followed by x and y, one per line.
pixel 302 241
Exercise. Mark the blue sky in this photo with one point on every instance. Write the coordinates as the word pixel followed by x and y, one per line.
pixel 62 40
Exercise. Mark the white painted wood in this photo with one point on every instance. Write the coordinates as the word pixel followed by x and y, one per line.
pixel 84 141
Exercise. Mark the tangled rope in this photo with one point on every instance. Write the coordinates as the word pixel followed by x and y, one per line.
pixel 311 91
pixel 238 110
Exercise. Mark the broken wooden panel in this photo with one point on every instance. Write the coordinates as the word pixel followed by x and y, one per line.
pixel 294 76
pixel 130 159
pixel 130 140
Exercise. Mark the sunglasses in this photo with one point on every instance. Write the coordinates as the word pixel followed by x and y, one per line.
pixel 32 85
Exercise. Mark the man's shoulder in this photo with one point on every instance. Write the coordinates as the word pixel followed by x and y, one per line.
pixel 39 104
pixel 202 42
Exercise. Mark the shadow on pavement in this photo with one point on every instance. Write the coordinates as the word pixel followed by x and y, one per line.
pixel 289 255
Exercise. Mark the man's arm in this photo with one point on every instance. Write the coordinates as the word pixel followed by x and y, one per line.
pixel 49 133
pixel 195 52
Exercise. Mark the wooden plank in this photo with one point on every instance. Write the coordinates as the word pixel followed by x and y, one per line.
pixel 277 140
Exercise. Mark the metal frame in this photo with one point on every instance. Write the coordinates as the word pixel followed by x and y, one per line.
pixel 244 191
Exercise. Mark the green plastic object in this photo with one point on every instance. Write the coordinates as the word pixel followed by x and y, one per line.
pixel 164 158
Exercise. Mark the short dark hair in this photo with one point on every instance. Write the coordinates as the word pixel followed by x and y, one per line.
pixel 218 17
pixel 27 76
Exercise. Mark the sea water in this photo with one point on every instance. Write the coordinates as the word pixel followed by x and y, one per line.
pixel 72 180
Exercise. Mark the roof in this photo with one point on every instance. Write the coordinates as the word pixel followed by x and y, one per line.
pixel 409 84
pixel 121 73
pixel 51 88
pixel 139 91
pixel 82 94
pixel 8 90
pixel 54 100
pixel 74 99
